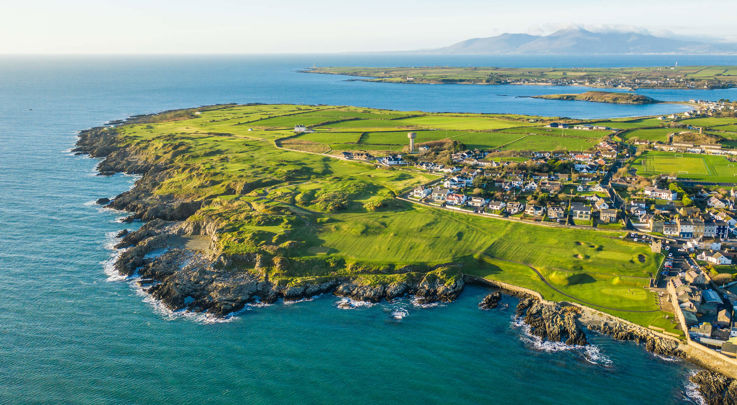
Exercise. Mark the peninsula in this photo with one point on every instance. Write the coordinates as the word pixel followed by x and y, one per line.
pixel 255 203
pixel 602 97
pixel 666 77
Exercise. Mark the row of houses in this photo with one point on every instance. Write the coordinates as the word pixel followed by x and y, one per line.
pixel 708 316
pixel 555 212
pixel 690 228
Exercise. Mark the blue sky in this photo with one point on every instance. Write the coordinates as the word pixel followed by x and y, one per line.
pixel 313 26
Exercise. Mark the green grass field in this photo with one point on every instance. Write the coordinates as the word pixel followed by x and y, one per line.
pixel 706 168
pixel 328 217
pixel 652 134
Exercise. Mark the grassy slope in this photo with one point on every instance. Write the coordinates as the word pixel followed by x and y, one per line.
pixel 315 210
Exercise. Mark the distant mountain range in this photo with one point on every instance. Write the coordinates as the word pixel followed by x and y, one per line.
pixel 577 41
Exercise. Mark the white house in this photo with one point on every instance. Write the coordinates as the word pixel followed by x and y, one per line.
pixel 497 205
pixel 421 192
pixel 661 194
pixel 714 258
pixel 456 199
pixel 477 202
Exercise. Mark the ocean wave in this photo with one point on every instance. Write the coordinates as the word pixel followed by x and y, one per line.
pixel 590 353
pixel 416 303
pixel 667 358
pixel 691 391
pixel 398 313
pixel 593 355
pixel 108 265
pixel 113 275
pixel 199 317
pixel 350 303
pixel 307 299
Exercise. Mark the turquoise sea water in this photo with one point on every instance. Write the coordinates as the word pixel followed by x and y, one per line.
pixel 70 333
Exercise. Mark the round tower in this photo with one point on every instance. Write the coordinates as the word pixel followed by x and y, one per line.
pixel 411 137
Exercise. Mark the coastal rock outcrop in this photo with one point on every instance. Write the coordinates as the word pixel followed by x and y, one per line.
pixel 552 322
pixel 621 331
pixel 443 284
pixel 715 388
pixel 490 301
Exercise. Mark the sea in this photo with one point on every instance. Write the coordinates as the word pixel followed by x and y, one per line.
pixel 72 331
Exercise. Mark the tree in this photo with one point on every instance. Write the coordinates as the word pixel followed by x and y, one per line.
pixel 686 200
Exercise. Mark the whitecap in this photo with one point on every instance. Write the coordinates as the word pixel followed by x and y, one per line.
pixel 692 392
pixel 417 303
pixel 667 358
pixel 590 353
pixel 399 313
pixel 593 355
pixel 350 303
pixel 198 317
pixel 307 299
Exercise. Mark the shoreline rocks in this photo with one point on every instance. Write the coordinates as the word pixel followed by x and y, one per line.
pixel 624 332
pixel 491 301
pixel 715 388
pixel 552 322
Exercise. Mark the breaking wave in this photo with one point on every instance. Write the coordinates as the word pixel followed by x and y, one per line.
pixel 692 392
pixel 590 353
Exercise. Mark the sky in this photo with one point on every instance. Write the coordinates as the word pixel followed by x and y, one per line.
pixel 327 26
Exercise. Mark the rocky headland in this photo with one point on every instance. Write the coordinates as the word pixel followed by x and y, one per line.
pixel 206 279
pixel 178 258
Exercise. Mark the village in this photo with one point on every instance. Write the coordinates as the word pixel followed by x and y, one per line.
pixel 692 225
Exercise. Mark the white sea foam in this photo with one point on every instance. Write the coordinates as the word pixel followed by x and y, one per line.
pixel 416 302
pixel 308 299
pixel 590 353
pixel 109 265
pixel 350 303
pixel 667 358
pixel 593 355
pixel 399 313
pixel 162 310
pixel 692 392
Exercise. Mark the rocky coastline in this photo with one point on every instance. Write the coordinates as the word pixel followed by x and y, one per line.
pixel 203 280
pixel 715 388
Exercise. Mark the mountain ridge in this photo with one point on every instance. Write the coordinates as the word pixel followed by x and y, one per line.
pixel 572 41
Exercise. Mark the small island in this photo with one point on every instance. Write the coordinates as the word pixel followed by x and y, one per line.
pixel 610 97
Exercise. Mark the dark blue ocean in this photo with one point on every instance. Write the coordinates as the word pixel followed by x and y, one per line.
pixel 72 333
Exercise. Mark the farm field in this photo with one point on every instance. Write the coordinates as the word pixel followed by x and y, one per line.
pixel 464 121
pixel 650 134
pixel 630 124
pixel 327 217
pixel 687 166
pixel 353 129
